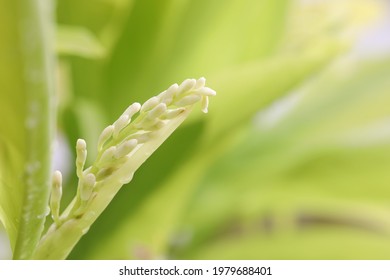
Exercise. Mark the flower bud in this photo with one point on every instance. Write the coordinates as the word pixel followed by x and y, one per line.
pixel 132 109
pixel 200 83
pixel 86 187
pixel 125 148
pixel 188 100
pixel 107 155
pixel 104 136
pixel 167 96
pixel 81 156
pixel 185 87
pixel 150 104
pixel 170 114
pixel 157 111
pixel 204 103
pixel 120 124
pixel 206 91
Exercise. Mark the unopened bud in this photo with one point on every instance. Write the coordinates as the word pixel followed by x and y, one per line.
pixel 86 187
pixel 170 114
pixel 157 111
pixel 188 100
pixel 104 136
pixel 206 91
pixel 186 86
pixel 132 109
pixel 204 104
pixel 150 104
pixel 125 148
pixel 120 124
pixel 108 155
pixel 81 156
pixel 167 96
pixel 200 83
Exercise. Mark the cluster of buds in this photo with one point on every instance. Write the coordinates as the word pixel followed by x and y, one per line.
pixel 118 143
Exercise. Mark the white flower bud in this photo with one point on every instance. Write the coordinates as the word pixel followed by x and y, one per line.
pixel 150 104
pixel 188 100
pixel 120 124
pixel 167 96
pixel 170 114
pixel 86 187
pixel 206 91
pixel 157 111
pixel 104 136
pixel 108 155
pixel 204 103
pixel 186 86
pixel 132 109
pixel 200 83
pixel 81 156
pixel 125 148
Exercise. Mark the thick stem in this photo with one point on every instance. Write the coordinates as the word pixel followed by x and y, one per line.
pixel 36 33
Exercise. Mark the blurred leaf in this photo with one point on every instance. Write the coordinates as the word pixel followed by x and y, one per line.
pixel 181 39
pixel 78 41
pixel 319 148
pixel 12 130
pixel 244 91
pixel 309 244
pixel 256 79
pixel 85 120
pixel 182 194
pixel 26 129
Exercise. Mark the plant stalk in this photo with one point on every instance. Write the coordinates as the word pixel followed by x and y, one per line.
pixel 36 36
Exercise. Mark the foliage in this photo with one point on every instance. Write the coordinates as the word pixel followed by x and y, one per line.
pixel 290 163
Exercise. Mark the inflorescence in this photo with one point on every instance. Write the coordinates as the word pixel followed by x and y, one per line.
pixel 121 140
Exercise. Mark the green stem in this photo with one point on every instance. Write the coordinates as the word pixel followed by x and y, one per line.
pixel 36 26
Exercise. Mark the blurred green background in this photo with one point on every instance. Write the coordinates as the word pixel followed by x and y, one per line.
pixel 293 159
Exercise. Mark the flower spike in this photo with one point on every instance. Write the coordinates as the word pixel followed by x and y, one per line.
pixel 122 148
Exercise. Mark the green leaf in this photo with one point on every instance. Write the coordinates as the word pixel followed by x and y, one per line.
pixel 245 90
pixel 332 143
pixel 27 126
pixel 78 41
pixel 317 243
pixel 12 133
